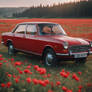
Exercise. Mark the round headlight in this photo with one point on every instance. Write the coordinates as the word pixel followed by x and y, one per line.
pixel 65 45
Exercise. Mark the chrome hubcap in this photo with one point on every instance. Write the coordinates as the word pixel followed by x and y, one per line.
pixel 10 49
pixel 49 59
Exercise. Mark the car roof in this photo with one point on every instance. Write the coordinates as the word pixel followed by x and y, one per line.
pixel 37 23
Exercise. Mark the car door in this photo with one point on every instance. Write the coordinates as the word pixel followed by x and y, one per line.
pixel 19 37
pixel 31 38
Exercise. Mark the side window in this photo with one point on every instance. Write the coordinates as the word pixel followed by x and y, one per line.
pixel 31 29
pixel 20 29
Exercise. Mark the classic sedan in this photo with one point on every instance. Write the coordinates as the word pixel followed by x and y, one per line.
pixel 48 40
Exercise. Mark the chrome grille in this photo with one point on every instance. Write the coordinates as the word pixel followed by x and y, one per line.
pixel 79 48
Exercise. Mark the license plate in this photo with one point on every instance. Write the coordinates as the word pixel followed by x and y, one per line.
pixel 80 55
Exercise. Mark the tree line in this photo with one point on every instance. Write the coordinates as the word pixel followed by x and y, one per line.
pixel 66 10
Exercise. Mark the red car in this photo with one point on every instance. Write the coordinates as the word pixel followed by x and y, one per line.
pixel 48 40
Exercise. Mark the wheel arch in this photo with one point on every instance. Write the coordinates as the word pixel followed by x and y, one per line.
pixel 47 47
pixel 8 41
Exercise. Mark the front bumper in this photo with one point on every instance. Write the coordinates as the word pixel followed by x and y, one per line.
pixel 72 54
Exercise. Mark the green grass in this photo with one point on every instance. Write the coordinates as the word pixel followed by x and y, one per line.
pixel 86 70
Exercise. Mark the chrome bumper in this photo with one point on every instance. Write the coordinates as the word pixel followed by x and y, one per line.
pixel 60 54
pixel 71 54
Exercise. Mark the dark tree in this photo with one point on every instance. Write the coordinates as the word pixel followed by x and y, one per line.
pixel 78 9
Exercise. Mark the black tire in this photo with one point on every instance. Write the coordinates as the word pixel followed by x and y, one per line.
pixel 49 57
pixel 80 60
pixel 11 50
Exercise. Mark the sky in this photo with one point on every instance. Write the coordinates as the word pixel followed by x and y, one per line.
pixel 29 3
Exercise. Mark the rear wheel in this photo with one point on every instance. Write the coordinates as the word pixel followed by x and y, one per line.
pixel 10 49
pixel 81 60
pixel 49 57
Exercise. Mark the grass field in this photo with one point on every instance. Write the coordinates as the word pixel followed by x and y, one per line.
pixel 57 82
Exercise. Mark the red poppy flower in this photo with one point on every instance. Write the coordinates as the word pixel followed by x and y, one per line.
pixel 79 73
pixel 28 67
pixel 74 75
pixel 63 70
pixel 8 84
pixel 49 75
pixel 21 72
pixel 42 71
pixel 58 83
pixel 28 79
pixel 9 75
pixel 0 64
pixel 3 85
pixel 1 59
pixel 77 78
pixel 79 90
pixel 42 83
pixel 50 90
pixel 64 88
pixel 68 73
pixel 35 81
pixel 64 74
pixel 18 68
pixel 36 67
pixel 12 59
pixel 26 71
pixel 69 90
pixel 5 61
pixel 16 80
pixel 1 55
pixel 80 87
pixel 14 76
pixel 18 63
pixel 46 81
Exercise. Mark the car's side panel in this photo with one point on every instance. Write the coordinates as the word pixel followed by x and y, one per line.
pixel 34 44
pixel 31 43
pixel 19 41
pixel 38 43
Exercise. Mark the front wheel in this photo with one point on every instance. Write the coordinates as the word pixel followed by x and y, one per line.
pixel 80 60
pixel 49 57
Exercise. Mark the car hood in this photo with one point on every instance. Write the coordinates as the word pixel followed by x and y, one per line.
pixel 71 40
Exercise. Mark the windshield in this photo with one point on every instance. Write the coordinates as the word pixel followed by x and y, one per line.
pixel 51 29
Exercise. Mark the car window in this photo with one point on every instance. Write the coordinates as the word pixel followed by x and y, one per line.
pixel 31 29
pixel 51 29
pixel 20 29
